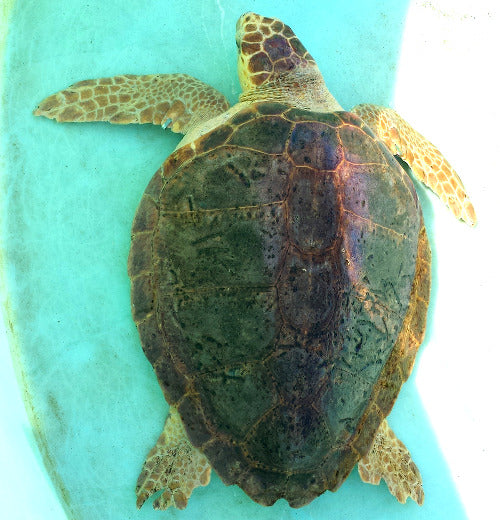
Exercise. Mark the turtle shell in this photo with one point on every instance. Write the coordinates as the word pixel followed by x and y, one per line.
pixel 273 263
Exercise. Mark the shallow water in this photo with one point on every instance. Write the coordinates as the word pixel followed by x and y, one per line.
pixel 71 194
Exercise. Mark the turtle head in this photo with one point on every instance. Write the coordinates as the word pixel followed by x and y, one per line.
pixel 273 63
pixel 267 48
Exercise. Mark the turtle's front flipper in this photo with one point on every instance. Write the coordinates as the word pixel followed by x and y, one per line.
pixel 178 101
pixel 173 465
pixel 390 459
pixel 425 160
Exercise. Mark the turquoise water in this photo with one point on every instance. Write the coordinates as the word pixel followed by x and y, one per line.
pixel 70 196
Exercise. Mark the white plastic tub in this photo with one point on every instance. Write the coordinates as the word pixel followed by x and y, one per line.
pixel 93 401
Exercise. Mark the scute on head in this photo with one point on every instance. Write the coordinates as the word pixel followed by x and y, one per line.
pixel 267 48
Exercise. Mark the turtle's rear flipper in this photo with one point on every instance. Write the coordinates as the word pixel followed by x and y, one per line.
pixel 177 101
pixel 389 459
pixel 425 160
pixel 173 465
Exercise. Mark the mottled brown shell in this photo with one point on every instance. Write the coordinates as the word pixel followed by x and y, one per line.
pixel 280 279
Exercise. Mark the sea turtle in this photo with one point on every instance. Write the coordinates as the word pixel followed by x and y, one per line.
pixel 280 273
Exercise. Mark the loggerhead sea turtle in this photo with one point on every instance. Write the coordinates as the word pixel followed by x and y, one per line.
pixel 280 273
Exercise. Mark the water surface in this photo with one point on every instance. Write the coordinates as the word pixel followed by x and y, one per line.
pixel 70 197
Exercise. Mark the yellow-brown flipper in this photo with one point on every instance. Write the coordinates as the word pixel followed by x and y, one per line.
pixel 389 459
pixel 174 465
pixel 176 101
pixel 426 161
